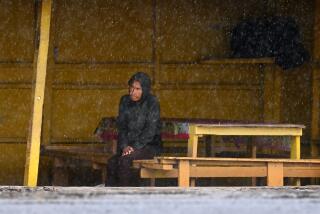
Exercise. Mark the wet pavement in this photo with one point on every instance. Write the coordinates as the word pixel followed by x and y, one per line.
pixel 160 200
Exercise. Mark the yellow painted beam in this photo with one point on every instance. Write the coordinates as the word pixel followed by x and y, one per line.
pixel 33 144
pixel 248 131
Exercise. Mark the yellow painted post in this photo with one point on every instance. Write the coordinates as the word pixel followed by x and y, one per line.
pixel 295 148
pixel 192 142
pixel 33 144
pixel 295 154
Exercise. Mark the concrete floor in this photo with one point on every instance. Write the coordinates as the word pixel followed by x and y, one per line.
pixel 47 200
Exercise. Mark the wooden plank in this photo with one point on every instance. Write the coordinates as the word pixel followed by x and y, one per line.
pixel 156 166
pixel 184 173
pixel 153 173
pixel 239 160
pixel 239 172
pixel 239 61
pixel 246 131
pixel 275 174
pixel 33 144
pixel 302 172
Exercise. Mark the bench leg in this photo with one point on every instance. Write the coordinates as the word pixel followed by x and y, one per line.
pixel 275 174
pixel 60 173
pixel 152 182
pixel 184 173
pixel 252 151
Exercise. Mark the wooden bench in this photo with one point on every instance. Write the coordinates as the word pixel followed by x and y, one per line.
pixel 184 168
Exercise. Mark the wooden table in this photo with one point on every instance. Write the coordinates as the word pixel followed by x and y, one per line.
pixel 198 130
pixel 225 129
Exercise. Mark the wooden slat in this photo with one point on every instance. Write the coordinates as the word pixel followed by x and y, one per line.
pixel 207 172
pixel 153 173
pixel 302 172
pixel 199 159
pixel 33 145
pixel 245 131
pixel 239 61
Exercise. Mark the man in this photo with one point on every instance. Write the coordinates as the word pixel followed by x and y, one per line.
pixel 138 131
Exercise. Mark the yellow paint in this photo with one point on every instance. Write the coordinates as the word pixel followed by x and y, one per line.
pixel 33 144
pixel 295 148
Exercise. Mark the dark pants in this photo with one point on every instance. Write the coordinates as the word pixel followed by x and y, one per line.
pixel 120 171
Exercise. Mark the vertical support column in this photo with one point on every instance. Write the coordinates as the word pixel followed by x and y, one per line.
pixel 192 142
pixel 33 144
pixel 184 173
pixel 275 174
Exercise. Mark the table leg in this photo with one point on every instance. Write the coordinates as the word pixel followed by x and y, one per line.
pixel 60 173
pixel 295 154
pixel 192 142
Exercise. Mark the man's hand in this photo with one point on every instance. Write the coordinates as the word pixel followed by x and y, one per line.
pixel 127 150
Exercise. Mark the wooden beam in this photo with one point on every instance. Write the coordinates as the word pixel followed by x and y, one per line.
pixel 33 144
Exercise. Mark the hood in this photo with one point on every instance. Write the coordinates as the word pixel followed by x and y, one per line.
pixel 145 82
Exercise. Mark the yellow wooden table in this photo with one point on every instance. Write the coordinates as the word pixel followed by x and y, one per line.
pixel 292 130
pixel 198 130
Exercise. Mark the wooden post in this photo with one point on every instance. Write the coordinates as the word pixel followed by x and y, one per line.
pixel 33 144
pixel 275 174
pixel 295 148
pixel 192 142
pixel 184 173
pixel 252 151
pixel 295 154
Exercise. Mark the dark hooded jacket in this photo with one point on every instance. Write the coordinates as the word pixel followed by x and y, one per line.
pixel 139 122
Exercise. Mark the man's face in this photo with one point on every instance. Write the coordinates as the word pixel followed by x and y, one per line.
pixel 135 91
